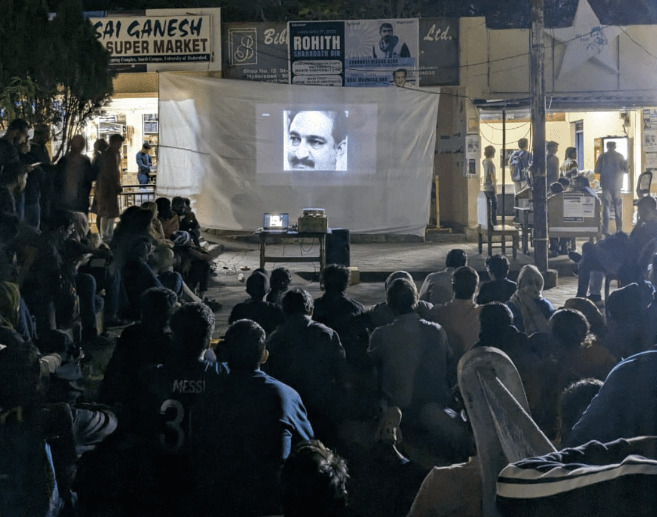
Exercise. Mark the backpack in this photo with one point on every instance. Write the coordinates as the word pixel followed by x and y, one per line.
pixel 517 166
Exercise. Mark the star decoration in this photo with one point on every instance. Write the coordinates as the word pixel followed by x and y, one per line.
pixel 586 39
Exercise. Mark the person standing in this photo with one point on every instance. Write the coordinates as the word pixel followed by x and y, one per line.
pixel 490 188
pixel 108 187
pixel 519 163
pixel 144 164
pixel 611 166
pixel 38 178
pixel 74 178
pixel 552 163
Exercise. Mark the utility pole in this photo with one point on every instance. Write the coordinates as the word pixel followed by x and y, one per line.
pixel 537 91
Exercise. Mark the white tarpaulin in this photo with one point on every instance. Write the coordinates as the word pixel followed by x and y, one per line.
pixel 242 148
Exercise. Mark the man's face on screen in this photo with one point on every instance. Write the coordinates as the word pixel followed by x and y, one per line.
pixel 311 144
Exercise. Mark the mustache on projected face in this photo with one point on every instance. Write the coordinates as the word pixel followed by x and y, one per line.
pixel 301 163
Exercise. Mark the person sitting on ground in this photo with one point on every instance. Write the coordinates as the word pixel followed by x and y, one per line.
pixel 630 329
pixel 279 282
pixel 593 316
pixel 460 317
pixel 169 219
pixel 337 310
pixel 244 429
pixel 530 310
pixel 625 406
pixel 573 401
pixel 266 314
pixel 172 391
pixel 437 287
pixel 162 261
pixel 497 330
pixel 309 357
pixel 381 314
pixel 187 219
pixel 415 370
pixel 145 343
pixel 499 288
pixel 156 230
pixel 314 482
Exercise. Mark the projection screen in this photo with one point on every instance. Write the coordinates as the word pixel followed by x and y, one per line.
pixel 239 149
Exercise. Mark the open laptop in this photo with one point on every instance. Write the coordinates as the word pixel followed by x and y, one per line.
pixel 276 222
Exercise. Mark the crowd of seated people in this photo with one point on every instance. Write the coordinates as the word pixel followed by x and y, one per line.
pixel 305 407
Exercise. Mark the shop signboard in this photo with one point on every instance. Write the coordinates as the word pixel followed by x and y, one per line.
pixel 135 41
pixel 316 53
pixel 439 51
pixel 376 49
pixel 255 51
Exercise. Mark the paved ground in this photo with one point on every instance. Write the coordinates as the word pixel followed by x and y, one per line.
pixel 373 260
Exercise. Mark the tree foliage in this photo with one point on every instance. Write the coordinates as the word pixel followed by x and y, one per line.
pixel 52 71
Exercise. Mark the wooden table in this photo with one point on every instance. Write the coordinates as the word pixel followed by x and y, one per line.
pixel 268 236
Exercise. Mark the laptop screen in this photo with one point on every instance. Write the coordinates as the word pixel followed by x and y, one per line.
pixel 276 221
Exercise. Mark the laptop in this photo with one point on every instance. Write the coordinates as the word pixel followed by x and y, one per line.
pixel 276 222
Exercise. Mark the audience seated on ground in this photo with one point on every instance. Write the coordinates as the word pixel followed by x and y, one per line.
pixel 437 287
pixel 499 288
pixel 381 314
pixel 243 431
pixel 309 357
pixel 266 314
pixel 531 311
pixel 279 282
pixel 460 317
pixel 314 482
pixel 573 401
pixel 630 329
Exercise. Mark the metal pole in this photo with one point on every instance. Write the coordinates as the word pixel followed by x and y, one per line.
pixel 537 91
pixel 503 166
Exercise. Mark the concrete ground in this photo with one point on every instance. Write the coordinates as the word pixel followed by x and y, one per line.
pixel 374 262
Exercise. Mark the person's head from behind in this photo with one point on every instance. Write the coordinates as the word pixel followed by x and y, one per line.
pixel 489 151
pixel 646 208
pixel 530 281
pixel 244 344
pixel 335 278
pixel 399 77
pixel 569 328
pixel 164 208
pixel 314 482
pixel 591 313
pixel 552 147
pixel 316 139
pixel 564 182
pixel 626 305
pixel 18 131
pixel 464 283
pixel 77 144
pixel 556 187
pixel 571 153
pixel 257 285
pixel 178 205
pixel 523 143
pixel 611 146
pixel 41 133
pixel 580 182
pixel 100 145
pixel 115 142
pixel 298 301
pixel 394 276
pixel 456 258
pixel 494 319
pixel 156 305
pixel 573 401
pixel 192 326
pixel 401 296
pixel 497 266
pixel 280 279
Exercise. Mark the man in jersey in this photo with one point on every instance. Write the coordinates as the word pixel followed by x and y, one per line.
pixel 174 388
pixel 244 430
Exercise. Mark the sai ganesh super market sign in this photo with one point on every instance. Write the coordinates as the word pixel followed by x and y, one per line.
pixel 155 39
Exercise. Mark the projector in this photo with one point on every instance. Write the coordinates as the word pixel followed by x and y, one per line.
pixel 313 220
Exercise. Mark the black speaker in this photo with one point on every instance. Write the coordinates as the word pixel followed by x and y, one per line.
pixel 338 250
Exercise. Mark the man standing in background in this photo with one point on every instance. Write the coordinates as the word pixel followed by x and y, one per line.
pixel 611 166
pixel 144 164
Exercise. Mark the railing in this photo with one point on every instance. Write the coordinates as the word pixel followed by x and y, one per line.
pixel 131 195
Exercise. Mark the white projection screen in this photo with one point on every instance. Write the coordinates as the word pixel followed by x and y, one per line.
pixel 239 149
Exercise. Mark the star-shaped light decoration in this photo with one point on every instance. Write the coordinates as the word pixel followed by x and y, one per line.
pixel 586 39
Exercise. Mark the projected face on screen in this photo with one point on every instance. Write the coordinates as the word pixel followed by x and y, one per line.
pixel 316 140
